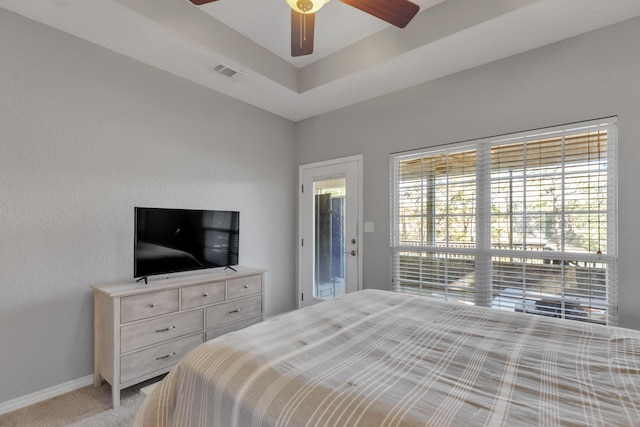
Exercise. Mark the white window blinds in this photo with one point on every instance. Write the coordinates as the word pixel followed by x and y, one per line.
pixel 524 222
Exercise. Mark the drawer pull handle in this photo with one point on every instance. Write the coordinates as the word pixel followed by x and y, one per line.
pixel 153 304
pixel 205 294
pixel 246 286
pixel 237 310
pixel 166 356
pixel 166 329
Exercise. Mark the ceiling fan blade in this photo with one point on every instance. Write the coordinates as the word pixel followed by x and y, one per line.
pixel 395 12
pixel 302 26
pixel 201 2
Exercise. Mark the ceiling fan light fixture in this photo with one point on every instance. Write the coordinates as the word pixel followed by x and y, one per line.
pixel 306 6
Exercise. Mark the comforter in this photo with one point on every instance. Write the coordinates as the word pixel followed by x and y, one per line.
pixel 378 358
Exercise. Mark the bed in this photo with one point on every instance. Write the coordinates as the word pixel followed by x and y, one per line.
pixel 379 358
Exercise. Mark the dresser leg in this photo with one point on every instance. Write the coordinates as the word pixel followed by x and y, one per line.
pixel 115 397
pixel 97 378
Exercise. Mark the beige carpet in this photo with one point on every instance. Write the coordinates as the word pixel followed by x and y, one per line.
pixel 85 407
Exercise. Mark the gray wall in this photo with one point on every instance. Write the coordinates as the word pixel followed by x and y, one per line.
pixel 86 135
pixel 591 76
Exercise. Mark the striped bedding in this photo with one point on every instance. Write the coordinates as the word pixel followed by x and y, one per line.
pixel 378 358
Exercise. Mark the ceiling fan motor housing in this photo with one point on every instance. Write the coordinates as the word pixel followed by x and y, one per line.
pixel 304 5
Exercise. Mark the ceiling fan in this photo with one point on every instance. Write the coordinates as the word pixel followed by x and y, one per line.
pixel 303 13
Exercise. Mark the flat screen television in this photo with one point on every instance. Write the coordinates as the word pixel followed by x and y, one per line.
pixel 174 240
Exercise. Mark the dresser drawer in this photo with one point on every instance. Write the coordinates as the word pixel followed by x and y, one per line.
pixel 230 327
pixel 149 304
pixel 233 310
pixel 244 286
pixel 162 356
pixel 199 295
pixel 158 330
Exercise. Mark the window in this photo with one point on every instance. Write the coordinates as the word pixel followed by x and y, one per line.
pixel 523 222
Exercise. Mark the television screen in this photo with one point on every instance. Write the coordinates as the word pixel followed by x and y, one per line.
pixel 173 240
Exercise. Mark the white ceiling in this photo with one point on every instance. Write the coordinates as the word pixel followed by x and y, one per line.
pixel 356 57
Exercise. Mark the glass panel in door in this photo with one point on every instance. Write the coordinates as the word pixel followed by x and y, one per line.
pixel 329 237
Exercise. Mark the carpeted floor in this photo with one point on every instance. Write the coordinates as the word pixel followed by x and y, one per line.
pixel 85 407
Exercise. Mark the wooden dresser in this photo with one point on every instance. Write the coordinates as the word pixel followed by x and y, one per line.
pixel 141 331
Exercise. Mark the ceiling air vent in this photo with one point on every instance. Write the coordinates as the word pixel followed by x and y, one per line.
pixel 224 70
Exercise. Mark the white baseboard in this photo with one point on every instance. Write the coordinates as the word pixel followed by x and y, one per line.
pixel 48 393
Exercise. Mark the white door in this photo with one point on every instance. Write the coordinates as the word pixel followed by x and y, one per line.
pixel 330 218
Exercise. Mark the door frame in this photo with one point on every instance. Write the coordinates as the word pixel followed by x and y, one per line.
pixel 358 159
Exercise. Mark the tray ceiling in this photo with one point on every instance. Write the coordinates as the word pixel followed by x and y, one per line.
pixel 356 57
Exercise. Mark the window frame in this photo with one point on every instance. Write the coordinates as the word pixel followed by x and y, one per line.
pixel 483 253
